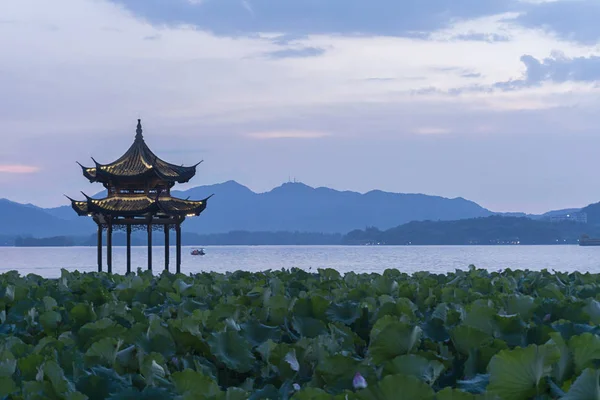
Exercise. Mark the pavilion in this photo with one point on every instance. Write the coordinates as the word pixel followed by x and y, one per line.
pixel 139 197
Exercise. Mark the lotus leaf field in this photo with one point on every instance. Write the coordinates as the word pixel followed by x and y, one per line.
pixel 297 335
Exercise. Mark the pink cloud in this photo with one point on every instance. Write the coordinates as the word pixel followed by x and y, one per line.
pixel 18 169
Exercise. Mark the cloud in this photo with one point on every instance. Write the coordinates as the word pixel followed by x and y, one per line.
pixel 384 89
pixel 557 68
pixel 293 53
pixel 18 169
pixel 560 68
pixel 471 75
pixel 381 17
pixel 381 79
pixel 462 72
pixel 482 37
pixel 571 19
pixel 287 39
pixel 287 135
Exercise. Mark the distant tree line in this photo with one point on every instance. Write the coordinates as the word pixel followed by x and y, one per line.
pixel 189 239
pixel 44 242
pixel 494 230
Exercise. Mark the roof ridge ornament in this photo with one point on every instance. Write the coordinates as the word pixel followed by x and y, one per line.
pixel 138 131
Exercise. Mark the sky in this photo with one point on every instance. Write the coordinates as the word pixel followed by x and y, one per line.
pixel 496 101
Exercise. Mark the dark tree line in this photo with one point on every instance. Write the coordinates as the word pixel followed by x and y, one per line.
pixel 495 230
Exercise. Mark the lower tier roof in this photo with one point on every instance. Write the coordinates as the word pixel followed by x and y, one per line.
pixel 138 205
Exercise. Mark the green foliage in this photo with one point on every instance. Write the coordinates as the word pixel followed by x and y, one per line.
pixel 585 387
pixel 467 335
pixel 519 374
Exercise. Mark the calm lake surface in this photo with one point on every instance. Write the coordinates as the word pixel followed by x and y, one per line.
pixel 47 261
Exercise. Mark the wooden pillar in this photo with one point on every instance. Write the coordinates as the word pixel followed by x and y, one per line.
pixel 150 246
pixel 167 247
pixel 178 261
pixel 128 249
pixel 99 247
pixel 109 248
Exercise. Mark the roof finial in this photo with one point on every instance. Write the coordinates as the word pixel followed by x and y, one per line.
pixel 138 131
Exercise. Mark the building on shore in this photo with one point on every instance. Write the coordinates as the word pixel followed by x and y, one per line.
pixel 580 217
pixel 139 198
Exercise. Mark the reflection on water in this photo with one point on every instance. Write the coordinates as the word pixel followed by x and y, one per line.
pixel 47 261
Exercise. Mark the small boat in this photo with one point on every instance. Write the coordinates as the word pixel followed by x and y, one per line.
pixel 585 240
pixel 197 252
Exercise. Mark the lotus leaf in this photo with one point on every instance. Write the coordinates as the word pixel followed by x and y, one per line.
pixel 467 338
pixel 103 352
pixel 8 364
pixel 454 394
pixel 7 386
pixel 585 387
pixel 50 320
pixel 308 326
pixel 312 394
pixel 392 338
pixel 232 350
pixel 585 349
pixel 426 370
pixel 346 312
pixel 398 387
pixel 519 373
pixel 465 335
pixel 337 372
pixel 562 369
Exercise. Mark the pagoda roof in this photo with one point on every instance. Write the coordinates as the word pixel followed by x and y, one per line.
pixel 138 162
pixel 138 205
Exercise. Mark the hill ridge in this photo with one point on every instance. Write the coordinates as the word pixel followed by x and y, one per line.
pixel 291 206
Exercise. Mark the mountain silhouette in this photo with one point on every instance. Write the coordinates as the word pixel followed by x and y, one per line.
pixel 290 207
pixel 298 207
pixel 26 219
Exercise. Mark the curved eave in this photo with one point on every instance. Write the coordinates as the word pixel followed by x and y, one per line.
pixel 102 176
pixel 175 206
pixel 181 178
pixel 80 207
pixel 96 206
pixel 89 173
pixel 183 174
pixel 90 177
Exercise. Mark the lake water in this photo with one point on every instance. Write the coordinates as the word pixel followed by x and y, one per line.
pixel 47 261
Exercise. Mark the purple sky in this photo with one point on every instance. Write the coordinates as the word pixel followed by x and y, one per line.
pixel 496 101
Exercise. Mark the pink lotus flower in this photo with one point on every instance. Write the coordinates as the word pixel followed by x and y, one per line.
pixel 359 382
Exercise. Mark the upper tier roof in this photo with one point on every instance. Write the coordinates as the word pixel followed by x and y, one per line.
pixel 138 163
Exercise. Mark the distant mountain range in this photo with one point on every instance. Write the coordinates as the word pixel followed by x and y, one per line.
pixel 291 207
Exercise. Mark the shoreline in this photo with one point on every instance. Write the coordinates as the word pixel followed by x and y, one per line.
pixel 314 245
